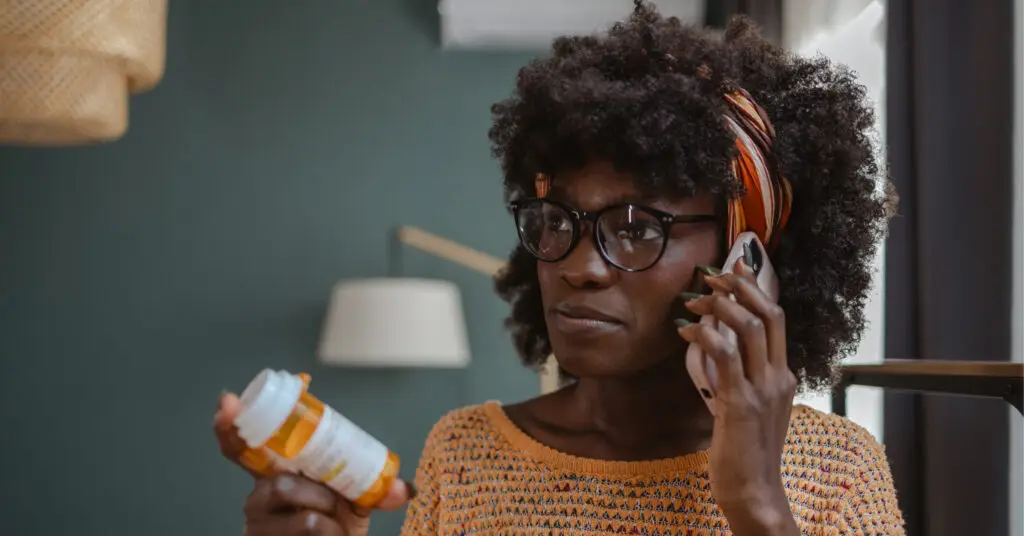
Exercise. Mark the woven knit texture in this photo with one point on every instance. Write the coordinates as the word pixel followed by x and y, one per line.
pixel 480 474
pixel 67 67
pixel 131 32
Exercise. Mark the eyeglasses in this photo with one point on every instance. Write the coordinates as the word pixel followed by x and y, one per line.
pixel 630 237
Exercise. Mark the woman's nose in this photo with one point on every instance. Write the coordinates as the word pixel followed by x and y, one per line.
pixel 585 267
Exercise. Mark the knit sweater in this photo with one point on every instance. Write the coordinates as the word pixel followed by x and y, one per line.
pixel 480 474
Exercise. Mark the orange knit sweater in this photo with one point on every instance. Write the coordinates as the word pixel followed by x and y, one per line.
pixel 480 474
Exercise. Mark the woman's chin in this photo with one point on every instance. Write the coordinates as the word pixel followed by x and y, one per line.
pixel 617 361
pixel 595 363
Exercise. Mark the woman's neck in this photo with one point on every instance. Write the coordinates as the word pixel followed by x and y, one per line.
pixel 655 414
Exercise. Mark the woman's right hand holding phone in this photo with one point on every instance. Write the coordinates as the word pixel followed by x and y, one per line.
pixel 284 504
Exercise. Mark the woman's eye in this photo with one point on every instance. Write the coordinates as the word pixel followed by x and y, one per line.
pixel 557 224
pixel 639 232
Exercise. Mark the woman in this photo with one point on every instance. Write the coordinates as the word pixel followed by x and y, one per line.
pixel 670 141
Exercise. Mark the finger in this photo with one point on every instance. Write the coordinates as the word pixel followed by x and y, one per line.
pixel 744 271
pixel 288 493
pixel 231 445
pixel 743 286
pixel 724 354
pixel 298 493
pixel 399 494
pixel 748 328
pixel 349 513
pixel 305 522
pixel 357 518
pixel 229 406
pixel 256 504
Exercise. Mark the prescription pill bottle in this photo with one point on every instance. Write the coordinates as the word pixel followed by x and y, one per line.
pixel 285 426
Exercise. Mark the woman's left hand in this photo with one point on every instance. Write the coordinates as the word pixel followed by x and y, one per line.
pixel 753 402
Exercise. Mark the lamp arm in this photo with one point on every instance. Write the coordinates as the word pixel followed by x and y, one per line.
pixel 449 250
pixel 477 261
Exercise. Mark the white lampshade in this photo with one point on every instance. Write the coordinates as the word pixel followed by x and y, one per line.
pixel 395 322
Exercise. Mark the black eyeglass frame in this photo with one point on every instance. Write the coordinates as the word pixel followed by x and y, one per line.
pixel 666 219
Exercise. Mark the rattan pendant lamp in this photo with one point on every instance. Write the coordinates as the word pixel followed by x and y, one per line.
pixel 68 67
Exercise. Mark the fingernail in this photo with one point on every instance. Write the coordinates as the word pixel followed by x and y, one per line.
pixel 756 258
pixel 285 483
pixel 690 296
pixel 716 284
pixel 709 270
pixel 411 490
pixel 748 256
pixel 682 322
pixel 220 402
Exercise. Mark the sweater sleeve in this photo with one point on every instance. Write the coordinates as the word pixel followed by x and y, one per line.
pixel 870 507
pixel 421 514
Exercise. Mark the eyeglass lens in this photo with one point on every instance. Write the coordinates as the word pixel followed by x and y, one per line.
pixel 628 236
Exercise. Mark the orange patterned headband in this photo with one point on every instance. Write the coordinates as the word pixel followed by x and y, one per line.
pixel 764 209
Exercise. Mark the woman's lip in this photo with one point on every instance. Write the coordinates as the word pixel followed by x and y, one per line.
pixel 585 311
pixel 581 325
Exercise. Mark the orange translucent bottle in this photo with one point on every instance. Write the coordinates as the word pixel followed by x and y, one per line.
pixel 285 426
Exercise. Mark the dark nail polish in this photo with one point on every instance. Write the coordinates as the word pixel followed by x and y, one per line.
pixel 709 270
pixel 411 489
pixel 756 260
pixel 705 393
pixel 748 256
pixel 690 296
pixel 682 322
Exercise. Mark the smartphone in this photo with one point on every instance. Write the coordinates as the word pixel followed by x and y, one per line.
pixel 700 366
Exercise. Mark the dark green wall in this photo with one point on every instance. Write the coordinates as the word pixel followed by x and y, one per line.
pixel 140 278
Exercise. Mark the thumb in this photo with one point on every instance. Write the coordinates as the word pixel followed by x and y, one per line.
pixel 400 493
pixel 228 408
pixel 356 519
pixel 257 462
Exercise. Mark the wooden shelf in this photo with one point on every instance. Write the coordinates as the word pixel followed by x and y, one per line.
pixel 990 379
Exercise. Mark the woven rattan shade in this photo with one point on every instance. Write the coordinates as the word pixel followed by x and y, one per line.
pixel 67 67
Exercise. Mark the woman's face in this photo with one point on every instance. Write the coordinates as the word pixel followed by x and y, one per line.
pixel 603 321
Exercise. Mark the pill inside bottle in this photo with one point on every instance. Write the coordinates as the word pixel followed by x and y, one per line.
pixel 287 428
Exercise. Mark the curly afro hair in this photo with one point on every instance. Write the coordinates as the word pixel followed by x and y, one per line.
pixel 648 96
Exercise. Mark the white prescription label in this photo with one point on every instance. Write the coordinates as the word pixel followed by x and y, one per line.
pixel 343 456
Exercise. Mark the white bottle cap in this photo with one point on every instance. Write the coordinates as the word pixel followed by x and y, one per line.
pixel 266 404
